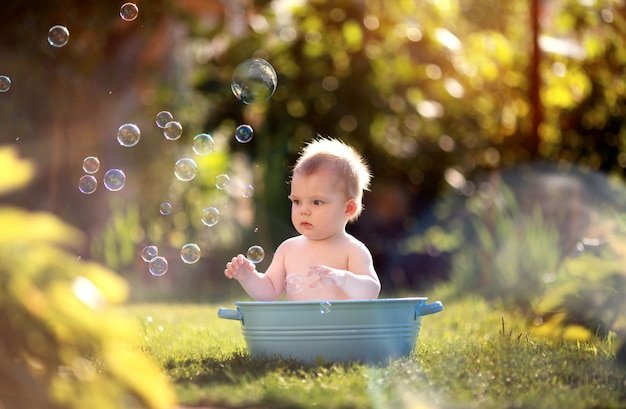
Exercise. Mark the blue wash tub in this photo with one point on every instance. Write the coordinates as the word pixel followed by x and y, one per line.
pixel 372 331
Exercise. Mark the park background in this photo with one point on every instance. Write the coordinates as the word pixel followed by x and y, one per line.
pixel 494 130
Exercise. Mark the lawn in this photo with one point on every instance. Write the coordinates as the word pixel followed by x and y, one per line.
pixel 471 355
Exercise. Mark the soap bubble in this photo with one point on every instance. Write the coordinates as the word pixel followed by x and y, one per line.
pixel 5 83
pixel 165 208
pixel 222 181
pixel 158 266
pixel 254 80
pixel 114 179
pixel 185 169
pixel 244 133
pixel 325 307
pixel 128 135
pixel 163 118
pixel 190 253
pixel 149 253
pixel 248 191
pixel 91 164
pixel 129 11
pixel 210 216
pixel 256 254
pixel 58 36
pixel 202 144
pixel 87 184
pixel 294 284
pixel 173 130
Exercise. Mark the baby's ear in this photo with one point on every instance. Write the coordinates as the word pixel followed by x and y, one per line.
pixel 351 207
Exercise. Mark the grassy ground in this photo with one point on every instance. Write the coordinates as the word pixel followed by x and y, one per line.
pixel 468 356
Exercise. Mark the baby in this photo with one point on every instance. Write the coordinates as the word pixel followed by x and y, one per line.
pixel 324 262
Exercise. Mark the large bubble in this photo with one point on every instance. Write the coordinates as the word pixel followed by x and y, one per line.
pixel 185 169
pixel 256 254
pixel 91 164
pixel 114 179
pixel 149 253
pixel 165 208
pixel 173 130
pixel 248 191
pixel 87 184
pixel 210 216
pixel 163 118
pixel 129 11
pixel 203 144
pixel 128 135
pixel 158 266
pixel 244 133
pixel 254 80
pixel 294 283
pixel 190 253
pixel 5 83
pixel 58 36
pixel 222 181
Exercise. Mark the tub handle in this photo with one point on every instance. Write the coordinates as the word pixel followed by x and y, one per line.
pixel 229 314
pixel 432 308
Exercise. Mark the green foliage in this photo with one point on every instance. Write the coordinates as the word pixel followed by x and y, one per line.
pixel 587 297
pixel 472 355
pixel 61 344
pixel 506 253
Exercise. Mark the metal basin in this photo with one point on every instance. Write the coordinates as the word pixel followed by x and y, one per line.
pixel 373 331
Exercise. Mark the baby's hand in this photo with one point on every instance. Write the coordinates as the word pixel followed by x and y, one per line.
pixel 327 275
pixel 239 268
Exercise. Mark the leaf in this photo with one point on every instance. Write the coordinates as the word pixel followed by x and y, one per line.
pixel 15 173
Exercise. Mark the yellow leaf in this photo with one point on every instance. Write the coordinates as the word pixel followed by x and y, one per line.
pixel 14 172
pixel 23 226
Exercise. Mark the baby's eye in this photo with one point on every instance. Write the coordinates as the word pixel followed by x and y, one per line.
pixel 318 202
pixel 295 201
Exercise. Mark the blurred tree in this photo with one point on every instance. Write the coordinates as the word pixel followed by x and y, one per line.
pixel 62 345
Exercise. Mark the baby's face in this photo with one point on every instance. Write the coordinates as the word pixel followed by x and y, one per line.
pixel 319 206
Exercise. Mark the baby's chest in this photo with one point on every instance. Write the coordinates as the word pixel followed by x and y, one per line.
pixel 300 262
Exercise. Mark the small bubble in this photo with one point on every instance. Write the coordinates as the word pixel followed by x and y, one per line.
pixel 58 36
pixel 294 284
pixel 149 253
pixel 190 253
pixel 5 83
pixel 325 307
pixel 256 229
pixel 91 165
pixel 222 181
pixel 248 191
pixel 129 11
pixel 158 266
pixel 254 80
pixel 210 216
pixel 256 254
pixel 163 118
pixel 87 184
pixel 202 144
pixel 128 135
pixel 165 208
pixel 244 133
pixel 185 169
pixel 114 179
pixel 173 130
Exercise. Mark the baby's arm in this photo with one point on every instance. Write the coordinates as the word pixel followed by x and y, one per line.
pixel 261 287
pixel 360 281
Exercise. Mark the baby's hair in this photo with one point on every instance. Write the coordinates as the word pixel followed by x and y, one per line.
pixel 342 160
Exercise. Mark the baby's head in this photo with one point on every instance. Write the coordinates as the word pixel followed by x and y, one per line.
pixel 343 161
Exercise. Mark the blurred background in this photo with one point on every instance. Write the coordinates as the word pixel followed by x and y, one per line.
pixel 495 133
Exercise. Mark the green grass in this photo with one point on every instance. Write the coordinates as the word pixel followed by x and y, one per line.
pixel 470 355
